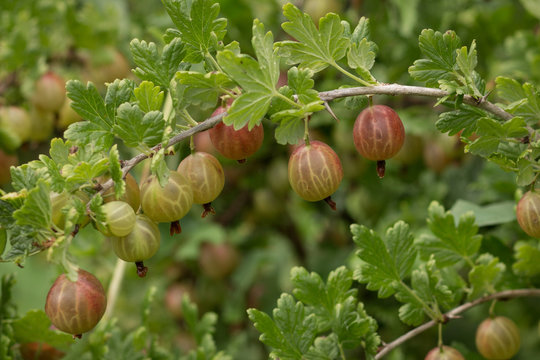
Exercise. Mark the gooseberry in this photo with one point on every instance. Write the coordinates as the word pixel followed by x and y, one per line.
pixel 16 120
pixel 235 144
pixel 40 351
pixel 528 213
pixel 140 244
pixel 378 134
pixel 77 306
pixel 206 176
pixel 218 260
pixel 446 353
pixel 169 203
pixel 132 195
pixel 498 338
pixel 315 172
pixel 6 162
pixel 120 218
pixel 49 92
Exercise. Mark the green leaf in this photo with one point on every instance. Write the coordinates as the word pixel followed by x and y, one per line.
pixel 89 104
pixel 493 132
pixel 118 92
pixel 301 83
pixel 315 49
pixel 450 243
pixel 198 25
pixel 36 211
pixel 24 177
pixel 291 333
pixel 485 275
pixel 384 263
pixel 361 54
pixel 136 128
pixel 440 51
pixel 59 151
pixel 149 97
pixel 116 172
pixel 35 326
pixel 153 66
pixel 429 290
pixel 524 100
pixel 257 79
pixel 487 215
pixel 203 88
pixel 527 255
pixel 324 348
pixel 464 119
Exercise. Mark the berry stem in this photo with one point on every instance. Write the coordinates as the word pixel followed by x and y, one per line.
pixel 141 269
pixel 114 288
pixel 331 203
pixel 381 168
pixel 175 228
pixel 208 209
pixel 306 130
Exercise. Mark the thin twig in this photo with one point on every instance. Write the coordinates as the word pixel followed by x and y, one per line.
pixel 452 314
pixel 386 89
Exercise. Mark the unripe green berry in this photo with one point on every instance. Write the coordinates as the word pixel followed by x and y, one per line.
pixel 169 203
pixel 141 243
pixel 498 338
pixel 120 218
pixel 528 213
pixel 205 174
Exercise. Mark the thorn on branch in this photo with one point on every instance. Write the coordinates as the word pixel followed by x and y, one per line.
pixel 329 109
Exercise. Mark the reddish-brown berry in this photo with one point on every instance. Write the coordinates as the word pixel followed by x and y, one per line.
pixel 498 338
pixel 528 213
pixel 6 162
pixel 49 92
pixel 40 351
pixel 235 144
pixel 446 353
pixel 76 307
pixel 315 171
pixel 218 260
pixel 378 134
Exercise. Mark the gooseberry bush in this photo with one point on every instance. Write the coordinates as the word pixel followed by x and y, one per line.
pixel 198 78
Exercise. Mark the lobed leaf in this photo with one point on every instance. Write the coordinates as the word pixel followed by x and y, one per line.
pixel 136 128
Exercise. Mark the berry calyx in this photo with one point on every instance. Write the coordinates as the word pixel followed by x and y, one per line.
pixel 528 213
pixel 206 176
pixel 120 218
pixel 140 244
pixel 315 172
pixel 49 92
pixel 235 144
pixel 497 338
pixel 169 203
pixel 378 134
pixel 76 307
pixel 444 353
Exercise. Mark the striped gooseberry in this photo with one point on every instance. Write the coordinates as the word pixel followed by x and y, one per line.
pixel 235 144
pixel 497 338
pixel 61 201
pixel 119 218
pixel 169 203
pixel 132 195
pixel 76 307
pixel 378 134
pixel 444 353
pixel 206 176
pixel 315 172
pixel 528 213
pixel 40 351
pixel 49 92
pixel 140 244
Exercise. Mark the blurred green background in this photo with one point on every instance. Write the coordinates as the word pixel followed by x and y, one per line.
pixel 261 228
